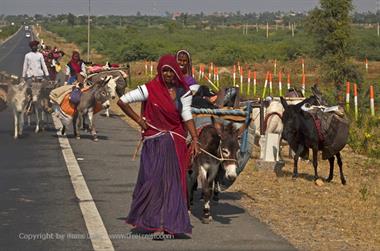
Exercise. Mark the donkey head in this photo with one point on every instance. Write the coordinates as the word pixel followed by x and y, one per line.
pixel 229 147
pixel 122 82
pixel 317 98
pixel 290 119
pixel 112 84
pixel 18 96
pixel 103 93
pixel 36 90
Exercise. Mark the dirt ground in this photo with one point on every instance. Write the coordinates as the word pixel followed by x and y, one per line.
pixel 311 217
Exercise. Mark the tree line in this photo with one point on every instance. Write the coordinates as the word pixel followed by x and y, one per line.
pixel 186 19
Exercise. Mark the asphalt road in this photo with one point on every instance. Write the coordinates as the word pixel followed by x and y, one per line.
pixel 38 200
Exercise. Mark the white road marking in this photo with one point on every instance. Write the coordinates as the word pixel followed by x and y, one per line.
pixel 94 223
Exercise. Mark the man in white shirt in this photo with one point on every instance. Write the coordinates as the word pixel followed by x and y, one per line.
pixel 34 63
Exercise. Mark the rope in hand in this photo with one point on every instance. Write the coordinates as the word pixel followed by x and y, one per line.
pixel 179 135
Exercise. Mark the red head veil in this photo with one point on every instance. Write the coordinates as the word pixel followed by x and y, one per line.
pixel 159 109
pixel 171 62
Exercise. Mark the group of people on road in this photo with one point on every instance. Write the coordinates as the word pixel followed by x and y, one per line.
pixel 160 196
pixel 44 64
pixel 52 58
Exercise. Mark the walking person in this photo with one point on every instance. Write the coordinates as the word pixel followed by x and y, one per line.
pixel 159 200
pixel 74 67
pixel 34 64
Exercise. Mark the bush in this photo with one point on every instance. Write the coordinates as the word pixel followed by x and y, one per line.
pixel 365 136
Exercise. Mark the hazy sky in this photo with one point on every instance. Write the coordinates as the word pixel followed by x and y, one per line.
pixel 158 7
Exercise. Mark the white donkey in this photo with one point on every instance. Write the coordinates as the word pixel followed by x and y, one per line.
pixel 18 98
pixel 112 84
pixel 117 82
pixel 272 120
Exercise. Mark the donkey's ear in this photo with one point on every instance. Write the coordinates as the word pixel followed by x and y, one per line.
pixel 284 103
pixel 107 79
pixel 218 126
pixel 104 81
pixel 315 91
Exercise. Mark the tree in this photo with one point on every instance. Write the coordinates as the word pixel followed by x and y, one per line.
pixel 330 27
pixel 172 26
pixel 70 19
pixel 184 19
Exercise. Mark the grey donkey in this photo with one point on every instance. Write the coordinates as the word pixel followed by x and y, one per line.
pixel 36 105
pixel 18 99
pixel 98 94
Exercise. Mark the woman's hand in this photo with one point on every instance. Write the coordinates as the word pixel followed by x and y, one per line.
pixel 194 147
pixel 142 124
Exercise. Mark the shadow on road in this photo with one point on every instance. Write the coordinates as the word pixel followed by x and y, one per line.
pixel 222 211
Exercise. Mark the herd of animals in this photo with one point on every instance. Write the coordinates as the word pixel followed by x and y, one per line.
pixel 305 126
pixel 36 101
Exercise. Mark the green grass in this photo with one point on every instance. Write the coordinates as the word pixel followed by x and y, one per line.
pixel 7 31
pixel 224 46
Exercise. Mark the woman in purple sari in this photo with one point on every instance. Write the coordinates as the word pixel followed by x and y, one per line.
pixel 159 200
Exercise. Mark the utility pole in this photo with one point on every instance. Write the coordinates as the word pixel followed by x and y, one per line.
pixel 377 16
pixel 88 31
pixel 293 25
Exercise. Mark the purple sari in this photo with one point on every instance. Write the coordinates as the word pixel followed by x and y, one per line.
pixel 160 197
pixel 189 80
pixel 158 203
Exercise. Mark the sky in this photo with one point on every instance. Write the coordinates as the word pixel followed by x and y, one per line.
pixel 159 7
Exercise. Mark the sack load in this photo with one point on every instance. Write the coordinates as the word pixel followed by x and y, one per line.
pixel 58 94
pixel 67 110
pixel 335 130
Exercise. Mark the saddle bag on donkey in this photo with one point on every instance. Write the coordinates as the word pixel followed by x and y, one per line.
pixel 69 103
pixel 333 129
